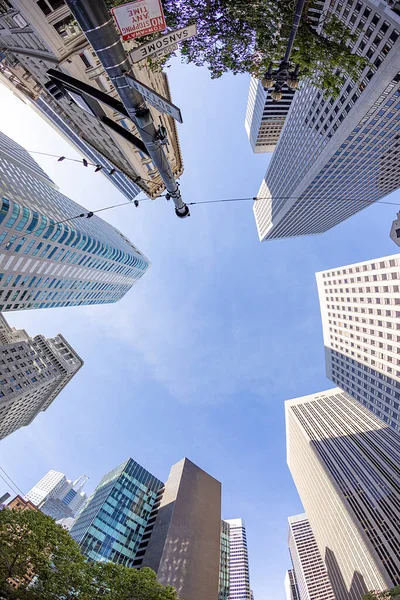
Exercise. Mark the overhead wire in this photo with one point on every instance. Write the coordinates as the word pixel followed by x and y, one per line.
pixel 14 486
pixel 89 214
pixel 86 163
pixel 255 199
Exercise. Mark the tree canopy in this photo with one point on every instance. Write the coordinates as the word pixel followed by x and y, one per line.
pixel 391 594
pixel 40 561
pixel 245 36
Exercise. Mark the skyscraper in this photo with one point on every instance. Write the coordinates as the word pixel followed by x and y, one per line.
pixel 264 117
pixel 48 257
pixel 224 572
pixel 33 371
pixel 344 461
pixel 113 521
pixel 309 577
pixel 57 496
pixel 37 36
pixel 239 577
pixel 291 590
pixel 360 310
pixel 307 188
pixel 183 543
pixel 134 519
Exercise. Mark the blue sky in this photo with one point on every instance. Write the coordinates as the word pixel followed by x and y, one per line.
pixel 198 358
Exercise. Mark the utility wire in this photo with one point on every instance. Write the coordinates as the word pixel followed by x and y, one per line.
pixel 87 163
pixel 136 202
pixel 255 199
pixel 13 482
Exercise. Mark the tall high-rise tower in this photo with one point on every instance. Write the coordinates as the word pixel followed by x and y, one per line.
pixel 360 310
pixel 291 589
pixel 264 117
pixel 239 576
pixel 134 519
pixel 42 35
pixel 113 521
pixel 184 533
pixel 33 371
pixel 48 257
pixel 57 496
pixel 345 464
pixel 307 188
pixel 310 578
pixel 224 571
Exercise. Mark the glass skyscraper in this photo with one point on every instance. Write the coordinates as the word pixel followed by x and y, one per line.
pixel 224 572
pixel 48 257
pixel 111 525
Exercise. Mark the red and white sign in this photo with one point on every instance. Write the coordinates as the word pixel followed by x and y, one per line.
pixel 139 18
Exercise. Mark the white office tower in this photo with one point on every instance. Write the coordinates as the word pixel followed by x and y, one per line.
pixel 36 36
pixel 291 590
pixel 47 259
pixel 264 117
pixel 59 497
pixel 338 155
pixel 33 371
pixel 360 311
pixel 309 577
pixel 239 578
pixel 345 464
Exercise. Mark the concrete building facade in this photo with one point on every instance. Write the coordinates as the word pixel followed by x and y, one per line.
pixel 344 462
pixel 39 35
pixel 184 544
pixel 57 496
pixel 33 371
pixel 309 578
pixel 48 256
pixel 239 573
pixel 360 311
pixel 264 117
pixel 306 188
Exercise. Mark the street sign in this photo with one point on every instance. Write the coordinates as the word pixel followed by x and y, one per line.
pixel 156 100
pixel 139 18
pixel 166 51
pixel 162 43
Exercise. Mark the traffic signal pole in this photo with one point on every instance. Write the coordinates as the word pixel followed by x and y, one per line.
pixel 98 27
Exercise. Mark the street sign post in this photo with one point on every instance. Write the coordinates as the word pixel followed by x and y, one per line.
pixel 139 18
pixel 155 99
pixel 166 51
pixel 162 43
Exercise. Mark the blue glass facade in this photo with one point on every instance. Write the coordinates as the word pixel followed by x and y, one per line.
pixel 114 519
pixel 49 256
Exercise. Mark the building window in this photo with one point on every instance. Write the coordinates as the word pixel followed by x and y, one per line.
pixel 49 6
pixel 85 60
pixel 67 28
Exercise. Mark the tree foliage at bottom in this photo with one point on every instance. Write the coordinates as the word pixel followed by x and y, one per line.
pixel 40 561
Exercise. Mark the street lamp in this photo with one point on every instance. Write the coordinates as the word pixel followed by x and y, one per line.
pixel 282 75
